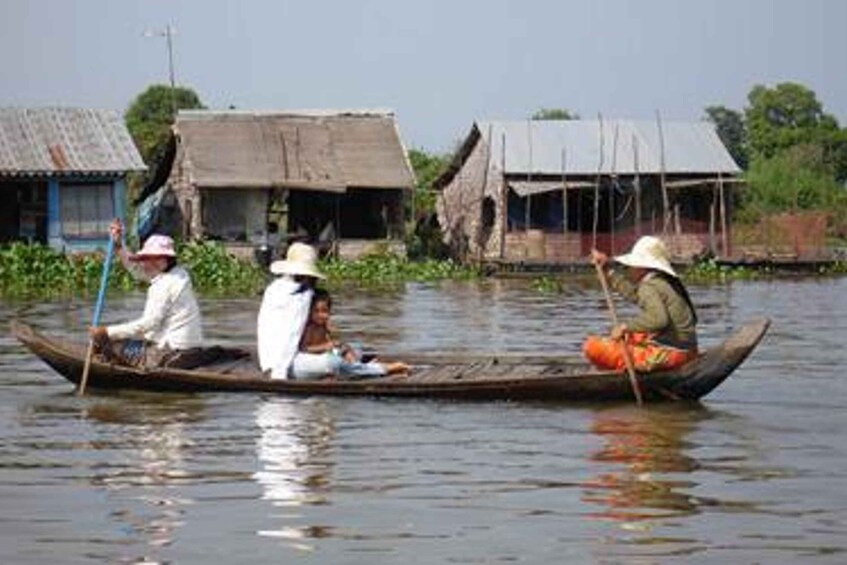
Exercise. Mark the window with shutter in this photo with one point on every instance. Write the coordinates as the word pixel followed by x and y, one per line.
pixel 86 209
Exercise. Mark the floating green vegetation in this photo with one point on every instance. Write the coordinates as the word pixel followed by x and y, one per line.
pixel 36 271
pixel 711 271
pixel 548 284
pixel 215 272
pixel 836 268
pixel 389 268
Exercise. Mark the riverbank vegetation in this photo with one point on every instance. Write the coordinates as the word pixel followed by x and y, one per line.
pixel 793 153
pixel 36 271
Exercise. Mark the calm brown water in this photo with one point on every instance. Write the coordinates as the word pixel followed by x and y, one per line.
pixel 756 473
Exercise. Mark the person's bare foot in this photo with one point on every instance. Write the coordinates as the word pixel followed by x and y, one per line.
pixel 397 368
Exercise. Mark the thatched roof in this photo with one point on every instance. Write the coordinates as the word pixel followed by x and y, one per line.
pixel 318 150
pixel 58 141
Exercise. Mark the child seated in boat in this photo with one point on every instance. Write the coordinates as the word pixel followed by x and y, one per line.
pixel 347 360
pixel 663 335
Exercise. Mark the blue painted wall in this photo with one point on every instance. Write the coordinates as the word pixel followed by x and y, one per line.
pixel 59 242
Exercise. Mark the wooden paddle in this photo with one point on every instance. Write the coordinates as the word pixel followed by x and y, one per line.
pixel 98 309
pixel 630 366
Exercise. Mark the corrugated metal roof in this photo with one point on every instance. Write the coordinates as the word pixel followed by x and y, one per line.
pixel 537 146
pixel 320 150
pixel 52 141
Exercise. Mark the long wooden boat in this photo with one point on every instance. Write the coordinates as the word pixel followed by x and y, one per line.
pixel 486 377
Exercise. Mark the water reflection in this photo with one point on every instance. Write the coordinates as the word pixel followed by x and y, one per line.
pixel 295 468
pixel 150 435
pixel 641 449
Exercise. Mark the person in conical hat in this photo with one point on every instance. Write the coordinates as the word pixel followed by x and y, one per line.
pixel 663 335
pixel 285 310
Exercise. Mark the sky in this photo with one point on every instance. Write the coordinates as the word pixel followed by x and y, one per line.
pixel 438 64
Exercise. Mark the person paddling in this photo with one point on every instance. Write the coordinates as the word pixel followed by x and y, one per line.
pixel 663 335
pixel 169 332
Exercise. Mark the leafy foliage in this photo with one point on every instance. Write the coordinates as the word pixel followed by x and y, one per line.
pixel 151 114
pixel 425 239
pixel 381 269
pixel 732 132
pixel 427 168
pixel 37 271
pixel 798 178
pixel 789 115
pixel 216 272
pixel 28 270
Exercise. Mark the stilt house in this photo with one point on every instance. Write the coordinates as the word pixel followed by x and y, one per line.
pixel 63 175
pixel 336 178
pixel 548 191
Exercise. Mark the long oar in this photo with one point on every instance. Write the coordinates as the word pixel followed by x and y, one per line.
pixel 98 309
pixel 630 366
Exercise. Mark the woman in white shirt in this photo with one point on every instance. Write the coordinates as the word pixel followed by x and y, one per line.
pixel 283 315
pixel 169 332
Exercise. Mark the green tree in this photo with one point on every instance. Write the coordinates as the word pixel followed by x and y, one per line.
pixel 730 127
pixel 798 178
pixel 554 114
pixel 790 114
pixel 427 167
pixel 151 114
pixel 425 238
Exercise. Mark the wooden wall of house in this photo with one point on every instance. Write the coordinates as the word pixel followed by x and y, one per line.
pixel 538 246
pixel 460 206
pixel 187 195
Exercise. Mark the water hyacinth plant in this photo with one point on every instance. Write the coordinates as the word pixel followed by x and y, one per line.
pixel 389 268
pixel 37 271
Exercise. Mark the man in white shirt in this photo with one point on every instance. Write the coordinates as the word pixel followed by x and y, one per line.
pixel 283 315
pixel 170 326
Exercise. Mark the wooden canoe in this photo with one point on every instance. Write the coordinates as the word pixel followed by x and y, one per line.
pixel 486 377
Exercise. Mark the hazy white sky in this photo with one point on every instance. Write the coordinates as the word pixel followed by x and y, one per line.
pixel 438 64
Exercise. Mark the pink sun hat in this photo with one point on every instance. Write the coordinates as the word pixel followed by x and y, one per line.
pixel 155 246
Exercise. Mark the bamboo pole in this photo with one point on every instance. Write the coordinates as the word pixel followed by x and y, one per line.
pixel 665 201
pixel 528 208
pixel 564 193
pixel 504 197
pixel 613 180
pixel 98 310
pixel 712 221
pixel 597 185
pixel 637 183
pixel 724 237
pixel 613 313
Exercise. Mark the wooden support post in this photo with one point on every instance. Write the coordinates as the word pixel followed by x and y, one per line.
pixel 676 221
pixel 613 178
pixel 637 183
pixel 666 209
pixel 504 197
pixel 712 221
pixel 724 235
pixel 597 186
pixel 564 193
pixel 528 208
pixel 482 189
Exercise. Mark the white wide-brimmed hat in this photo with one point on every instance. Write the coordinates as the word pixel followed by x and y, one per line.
pixel 301 259
pixel 648 253
pixel 155 246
